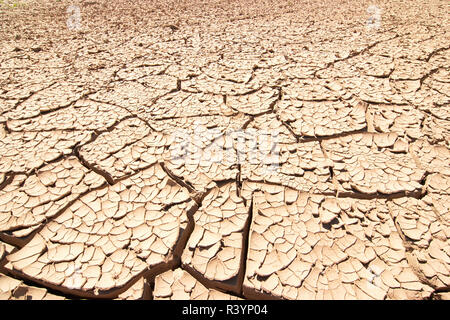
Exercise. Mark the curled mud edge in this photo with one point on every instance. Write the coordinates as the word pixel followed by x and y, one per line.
pixel 149 273
pixel 21 242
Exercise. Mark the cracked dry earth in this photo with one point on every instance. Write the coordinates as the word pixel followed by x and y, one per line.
pixel 94 204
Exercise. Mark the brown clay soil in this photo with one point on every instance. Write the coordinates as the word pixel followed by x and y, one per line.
pixel 224 149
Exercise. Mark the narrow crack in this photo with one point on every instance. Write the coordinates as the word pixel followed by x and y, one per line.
pixel 410 258
pixel 92 167
pixel 245 247
pixel 23 99
pixel 434 52
pixel 32 283
pixel 21 242
pixel 9 177
pixel 182 182
pixel 147 274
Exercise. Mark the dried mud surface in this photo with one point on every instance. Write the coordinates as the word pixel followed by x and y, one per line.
pixel 224 149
